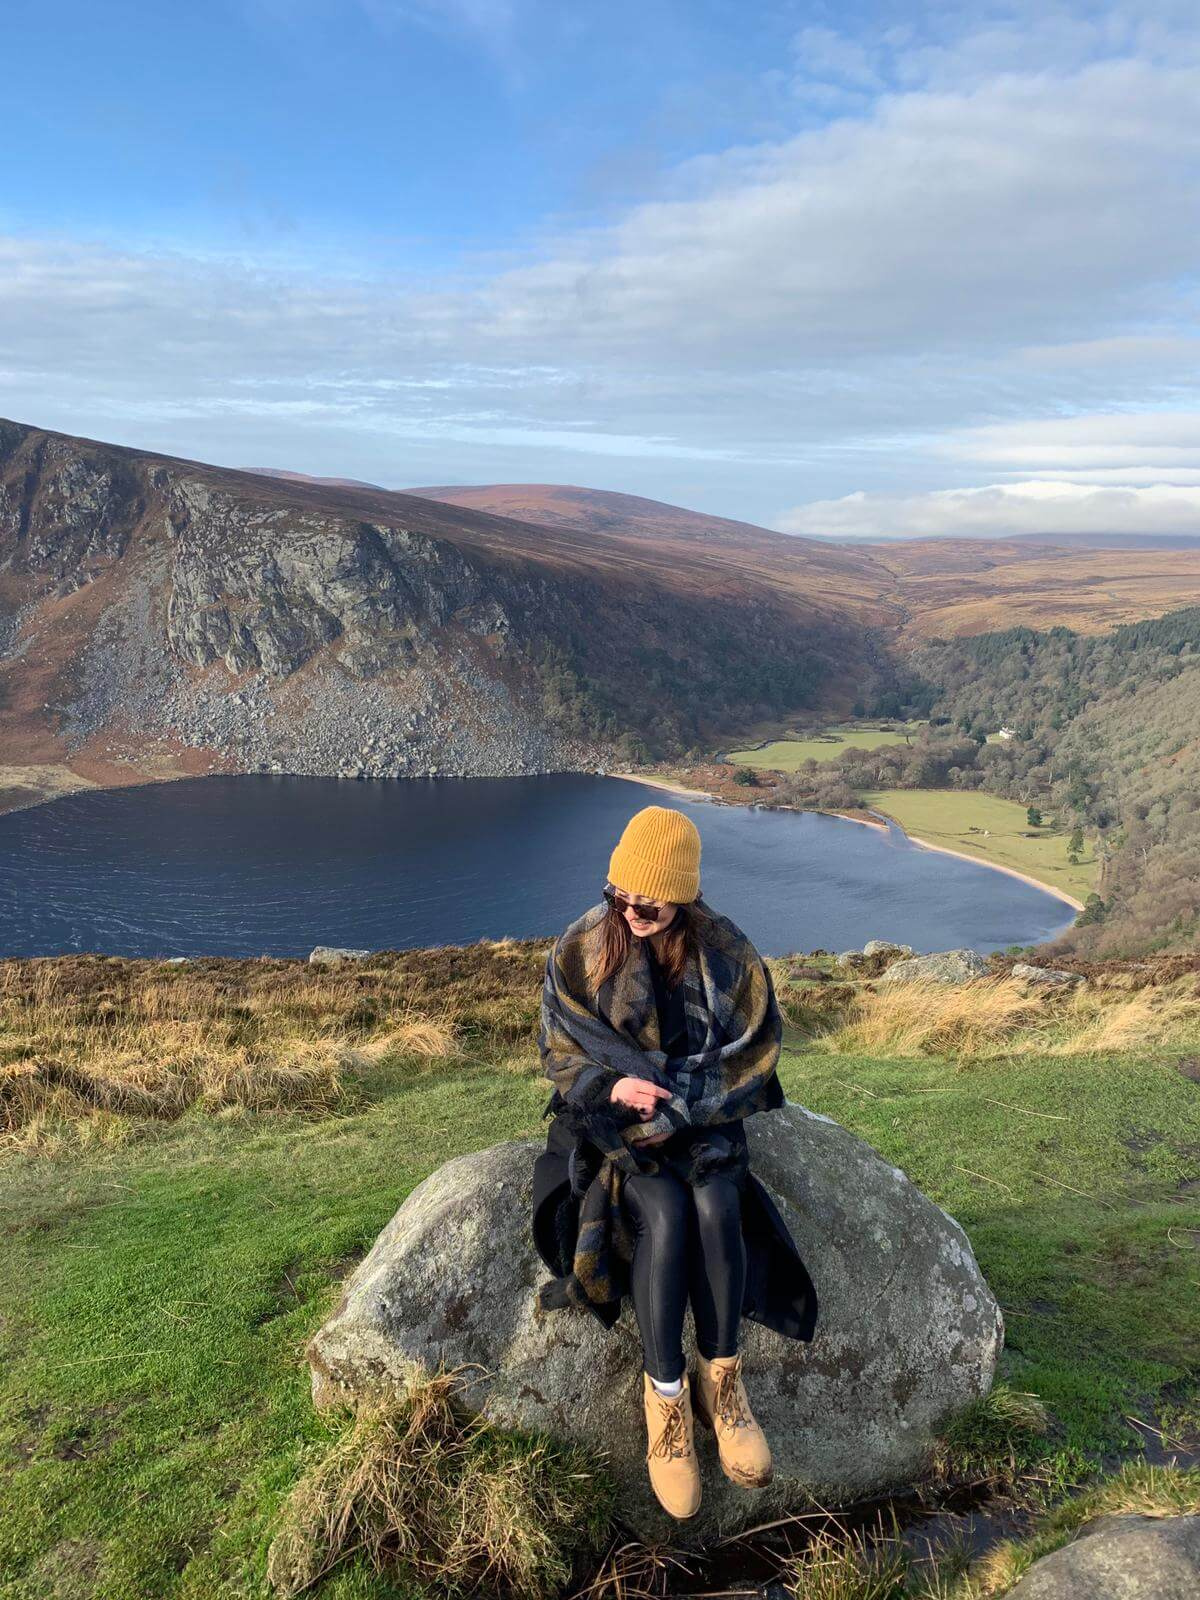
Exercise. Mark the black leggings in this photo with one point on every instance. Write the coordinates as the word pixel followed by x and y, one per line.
pixel 688 1242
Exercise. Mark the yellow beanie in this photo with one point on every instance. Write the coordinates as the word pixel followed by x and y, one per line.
pixel 658 856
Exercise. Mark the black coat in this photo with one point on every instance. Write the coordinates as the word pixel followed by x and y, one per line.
pixel 779 1292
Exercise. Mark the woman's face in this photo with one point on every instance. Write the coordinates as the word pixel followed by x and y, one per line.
pixel 645 927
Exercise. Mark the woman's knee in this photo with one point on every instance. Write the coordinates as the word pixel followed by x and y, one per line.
pixel 658 1202
pixel 718 1206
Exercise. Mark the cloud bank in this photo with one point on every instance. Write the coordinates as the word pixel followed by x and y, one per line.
pixel 995 510
pixel 961 298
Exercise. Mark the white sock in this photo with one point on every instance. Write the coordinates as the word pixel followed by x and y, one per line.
pixel 670 1390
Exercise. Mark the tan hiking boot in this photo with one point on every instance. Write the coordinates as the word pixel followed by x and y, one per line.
pixel 722 1405
pixel 671 1457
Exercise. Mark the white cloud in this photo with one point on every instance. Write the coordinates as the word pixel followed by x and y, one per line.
pixel 997 509
pixel 1162 441
pixel 1024 210
pixel 890 302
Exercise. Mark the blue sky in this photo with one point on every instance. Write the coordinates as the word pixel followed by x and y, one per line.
pixel 878 269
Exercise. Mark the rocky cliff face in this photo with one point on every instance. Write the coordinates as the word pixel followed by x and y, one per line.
pixel 155 608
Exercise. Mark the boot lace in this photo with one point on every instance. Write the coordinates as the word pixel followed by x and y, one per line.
pixel 728 1399
pixel 672 1441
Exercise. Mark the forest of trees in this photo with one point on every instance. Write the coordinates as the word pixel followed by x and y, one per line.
pixel 1106 736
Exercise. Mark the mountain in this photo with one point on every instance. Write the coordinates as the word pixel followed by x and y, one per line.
pixel 307 477
pixel 943 587
pixel 851 581
pixel 159 615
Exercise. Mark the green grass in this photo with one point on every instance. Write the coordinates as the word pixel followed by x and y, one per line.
pixel 1075 1196
pixel 956 820
pixel 154 1404
pixel 785 755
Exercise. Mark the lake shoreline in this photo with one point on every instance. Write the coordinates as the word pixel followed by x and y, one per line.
pixel 867 822
pixel 997 866
pixel 55 774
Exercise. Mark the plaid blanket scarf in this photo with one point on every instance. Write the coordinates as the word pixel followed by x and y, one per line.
pixel 589 1039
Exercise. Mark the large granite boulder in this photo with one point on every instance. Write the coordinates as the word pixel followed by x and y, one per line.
pixel 1120 1558
pixel 908 1331
pixel 946 966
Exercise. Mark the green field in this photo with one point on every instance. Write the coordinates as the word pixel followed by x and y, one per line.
pixel 957 819
pixel 785 755
pixel 157 1295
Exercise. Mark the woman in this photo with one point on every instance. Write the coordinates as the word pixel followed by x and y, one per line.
pixel 660 1032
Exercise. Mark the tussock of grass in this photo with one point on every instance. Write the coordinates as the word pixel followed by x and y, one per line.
pixel 913 1019
pixel 421 1489
pixel 997 1016
pixel 631 1570
pixel 837 1565
pixel 992 1437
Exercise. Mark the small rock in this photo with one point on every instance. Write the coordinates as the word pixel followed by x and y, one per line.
pixel 849 958
pixel 945 966
pixel 1047 977
pixel 885 947
pixel 328 955
pixel 1120 1558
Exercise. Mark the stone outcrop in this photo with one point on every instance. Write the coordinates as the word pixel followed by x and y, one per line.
pixel 945 966
pixel 908 1330
pixel 1120 1558
pixel 1046 977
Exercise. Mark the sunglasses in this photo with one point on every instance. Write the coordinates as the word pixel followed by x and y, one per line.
pixel 648 912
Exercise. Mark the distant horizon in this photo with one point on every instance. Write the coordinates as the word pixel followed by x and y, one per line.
pixel 1101 538
pixel 916 269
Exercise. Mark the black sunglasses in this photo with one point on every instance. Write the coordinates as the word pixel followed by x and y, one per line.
pixel 648 912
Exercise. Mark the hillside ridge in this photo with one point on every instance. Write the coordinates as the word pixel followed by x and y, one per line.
pixel 159 610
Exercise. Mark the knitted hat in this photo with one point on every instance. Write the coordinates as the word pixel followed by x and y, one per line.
pixel 658 856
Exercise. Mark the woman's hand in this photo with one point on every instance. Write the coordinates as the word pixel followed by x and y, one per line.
pixel 640 1095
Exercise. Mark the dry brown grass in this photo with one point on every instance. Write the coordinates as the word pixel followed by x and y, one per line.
pixel 631 1570
pixel 997 1016
pixel 91 1048
pixel 421 1488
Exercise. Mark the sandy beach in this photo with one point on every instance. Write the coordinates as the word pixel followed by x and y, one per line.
pixel 668 783
pixel 997 866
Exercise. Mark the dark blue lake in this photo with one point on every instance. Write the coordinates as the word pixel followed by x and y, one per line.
pixel 261 865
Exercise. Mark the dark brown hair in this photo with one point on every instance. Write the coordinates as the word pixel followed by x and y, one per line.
pixel 614 937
